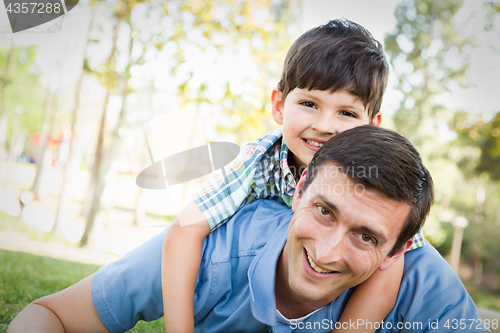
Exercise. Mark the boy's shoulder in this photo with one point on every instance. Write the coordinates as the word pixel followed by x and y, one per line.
pixel 266 142
pixel 263 148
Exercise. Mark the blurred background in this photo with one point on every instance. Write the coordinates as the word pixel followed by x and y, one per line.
pixel 77 93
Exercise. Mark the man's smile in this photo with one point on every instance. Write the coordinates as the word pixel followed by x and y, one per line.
pixel 316 268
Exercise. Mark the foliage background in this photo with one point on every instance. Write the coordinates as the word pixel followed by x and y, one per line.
pixel 84 83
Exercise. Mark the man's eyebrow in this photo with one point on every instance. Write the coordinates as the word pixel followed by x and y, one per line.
pixel 378 235
pixel 330 205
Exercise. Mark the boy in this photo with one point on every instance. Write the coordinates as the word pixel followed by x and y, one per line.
pixel 334 77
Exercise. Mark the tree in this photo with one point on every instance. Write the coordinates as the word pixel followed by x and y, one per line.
pixel 425 51
pixel 99 169
pixel 429 57
pixel 72 164
pixel 3 90
pixel 18 75
pixel 181 30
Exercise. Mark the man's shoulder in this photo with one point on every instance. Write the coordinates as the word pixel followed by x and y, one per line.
pixel 252 226
pixel 431 292
pixel 427 260
pixel 427 272
pixel 260 216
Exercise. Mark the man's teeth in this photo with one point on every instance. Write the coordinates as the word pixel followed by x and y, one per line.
pixel 316 268
pixel 314 143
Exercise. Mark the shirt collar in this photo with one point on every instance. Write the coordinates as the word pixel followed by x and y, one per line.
pixel 262 276
pixel 287 180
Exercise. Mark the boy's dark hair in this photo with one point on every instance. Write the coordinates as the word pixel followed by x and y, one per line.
pixel 385 161
pixel 338 55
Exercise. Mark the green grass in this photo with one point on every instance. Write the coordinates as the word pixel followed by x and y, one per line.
pixel 26 277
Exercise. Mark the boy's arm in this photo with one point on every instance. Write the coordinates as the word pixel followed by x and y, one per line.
pixel 181 259
pixel 372 300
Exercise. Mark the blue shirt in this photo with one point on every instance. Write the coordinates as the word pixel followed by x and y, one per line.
pixel 235 285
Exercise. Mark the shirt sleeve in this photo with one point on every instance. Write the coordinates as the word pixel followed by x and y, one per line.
pixel 230 187
pixel 432 298
pixel 129 289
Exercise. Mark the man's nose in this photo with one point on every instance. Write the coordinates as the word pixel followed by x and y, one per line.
pixel 330 249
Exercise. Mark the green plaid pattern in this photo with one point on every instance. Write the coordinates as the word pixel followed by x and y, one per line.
pixel 418 240
pixel 260 171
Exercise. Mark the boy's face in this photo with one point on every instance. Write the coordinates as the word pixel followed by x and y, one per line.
pixel 311 117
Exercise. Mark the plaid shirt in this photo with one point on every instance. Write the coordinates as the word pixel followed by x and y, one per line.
pixel 260 171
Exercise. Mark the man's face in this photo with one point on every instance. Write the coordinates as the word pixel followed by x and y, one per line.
pixel 339 235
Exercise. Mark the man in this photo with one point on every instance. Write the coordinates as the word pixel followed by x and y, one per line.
pixel 366 193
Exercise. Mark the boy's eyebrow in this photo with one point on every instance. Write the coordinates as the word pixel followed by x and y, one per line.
pixel 307 94
pixel 378 235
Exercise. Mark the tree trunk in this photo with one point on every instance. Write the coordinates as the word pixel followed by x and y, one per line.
pixel 73 162
pixel 97 158
pixel 101 166
pixel 105 166
pixel 43 162
pixel 3 100
pixel 70 168
pixel 478 263
pixel 100 141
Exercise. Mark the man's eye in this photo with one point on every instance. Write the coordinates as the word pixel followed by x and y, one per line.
pixel 366 238
pixel 348 114
pixel 324 211
pixel 308 104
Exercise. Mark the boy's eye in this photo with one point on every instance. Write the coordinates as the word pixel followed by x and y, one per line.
pixel 308 104
pixel 348 114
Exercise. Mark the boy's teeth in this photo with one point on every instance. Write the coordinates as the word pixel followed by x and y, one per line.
pixel 314 143
pixel 316 268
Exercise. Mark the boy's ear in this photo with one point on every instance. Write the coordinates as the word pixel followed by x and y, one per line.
pixel 389 261
pixel 277 106
pixel 377 120
pixel 300 185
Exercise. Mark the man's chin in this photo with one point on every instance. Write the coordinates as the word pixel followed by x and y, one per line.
pixel 321 292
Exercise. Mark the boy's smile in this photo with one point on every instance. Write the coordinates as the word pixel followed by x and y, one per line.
pixel 311 117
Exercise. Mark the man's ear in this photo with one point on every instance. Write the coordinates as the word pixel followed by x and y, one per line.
pixel 300 185
pixel 377 120
pixel 389 261
pixel 277 106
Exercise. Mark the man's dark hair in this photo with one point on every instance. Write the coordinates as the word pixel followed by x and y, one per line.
pixel 385 161
pixel 338 55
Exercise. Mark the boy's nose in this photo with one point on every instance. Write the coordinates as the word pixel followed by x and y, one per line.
pixel 325 125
